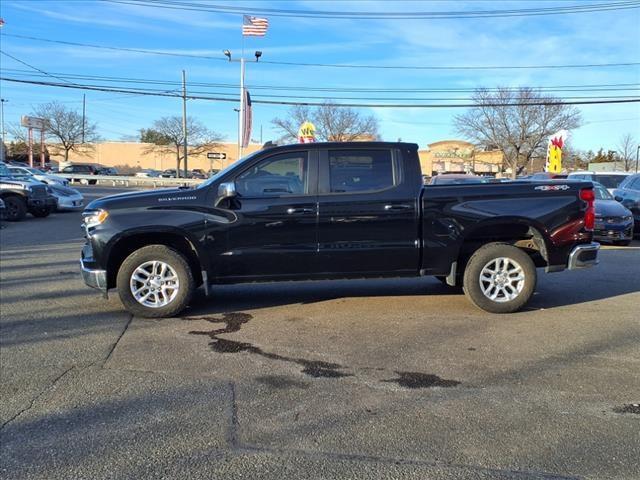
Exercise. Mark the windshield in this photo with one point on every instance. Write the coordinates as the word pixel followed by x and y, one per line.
pixel 602 193
pixel 609 181
pixel 4 171
pixel 221 172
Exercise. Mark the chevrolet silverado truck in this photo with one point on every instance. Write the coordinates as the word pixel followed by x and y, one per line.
pixel 335 211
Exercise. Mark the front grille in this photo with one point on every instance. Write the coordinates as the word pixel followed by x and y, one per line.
pixel 39 191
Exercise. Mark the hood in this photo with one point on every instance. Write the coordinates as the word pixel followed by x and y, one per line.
pixel 610 208
pixel 10 182
pixel 148 198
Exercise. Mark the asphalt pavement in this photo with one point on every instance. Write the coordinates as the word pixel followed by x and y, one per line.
pixel 314 380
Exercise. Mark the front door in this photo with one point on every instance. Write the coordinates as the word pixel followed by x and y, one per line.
pixel 368 213
pixel 274 235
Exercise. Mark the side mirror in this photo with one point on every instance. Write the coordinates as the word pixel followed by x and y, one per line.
pixel 226 190
pixel 618 199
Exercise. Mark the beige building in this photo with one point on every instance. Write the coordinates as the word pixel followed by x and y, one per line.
pixel 444 156
pixel 140 156
pixel 459 156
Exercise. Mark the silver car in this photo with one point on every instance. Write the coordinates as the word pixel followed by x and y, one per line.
pixel 37 175
pixel 68 198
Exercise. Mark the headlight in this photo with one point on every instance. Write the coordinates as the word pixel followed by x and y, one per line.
pixel 93 218
pixel 628 218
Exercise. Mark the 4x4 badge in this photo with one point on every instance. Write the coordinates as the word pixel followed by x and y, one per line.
pixel 552 187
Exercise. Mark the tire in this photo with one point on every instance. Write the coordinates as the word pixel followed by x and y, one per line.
pixel 40 212
pixel 623 243
pixel 92 182
pixel 168 303
pixel 510 296
pixel 15 208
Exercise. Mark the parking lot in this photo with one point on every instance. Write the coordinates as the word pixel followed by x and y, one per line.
pixel 349 379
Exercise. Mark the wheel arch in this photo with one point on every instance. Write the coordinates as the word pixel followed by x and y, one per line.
pixel 128 242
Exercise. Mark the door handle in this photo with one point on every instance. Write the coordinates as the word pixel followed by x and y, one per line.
pixel 397 207
pixel 294 211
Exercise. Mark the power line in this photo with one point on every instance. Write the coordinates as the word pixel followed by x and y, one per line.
pixel 281 102
pixel 330 65
pixel 368 15
pixel 548 88
pixel 32 67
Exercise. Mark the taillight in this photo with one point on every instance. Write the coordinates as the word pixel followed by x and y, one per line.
pixel 587 195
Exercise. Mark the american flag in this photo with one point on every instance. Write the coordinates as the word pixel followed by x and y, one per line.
pixel 254 26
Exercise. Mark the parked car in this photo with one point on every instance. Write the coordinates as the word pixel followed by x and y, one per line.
pixel 198 173
pixel 330 211
pixel 80 169
pixel 24 196
pixel 38 175
pixel 107 171
pixel 147 173
pixel 610 180
pixel 67 198
pixel 171 173
pixel 628 193
pixel 547 176
pixel 456 179
pixel 614 222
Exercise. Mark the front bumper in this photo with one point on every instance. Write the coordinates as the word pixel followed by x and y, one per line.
pixel 584 256
pixel 94 278
pixel 613 234
pixel 49 202
pixel 70 203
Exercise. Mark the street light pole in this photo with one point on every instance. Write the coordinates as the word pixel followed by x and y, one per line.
pixel 184 123
pixel 243 107
pixel 637 154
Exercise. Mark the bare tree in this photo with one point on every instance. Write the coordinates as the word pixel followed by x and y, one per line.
pixel 333 123
pixel 67 129
pixel 167 137
pixel 627 151
pixel 518 122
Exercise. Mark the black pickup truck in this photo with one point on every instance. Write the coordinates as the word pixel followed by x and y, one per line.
pixel 335 210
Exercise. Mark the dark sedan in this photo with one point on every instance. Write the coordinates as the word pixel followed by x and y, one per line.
pixel 628 193
pixel 614 222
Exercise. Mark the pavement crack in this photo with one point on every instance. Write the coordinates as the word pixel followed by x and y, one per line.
pixel 232 434
pixel 37 397
pixel 113 347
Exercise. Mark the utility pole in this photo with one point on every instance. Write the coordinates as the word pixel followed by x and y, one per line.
pixel 637 155
pixel 184 122
pixel 84 110
pixel 2 102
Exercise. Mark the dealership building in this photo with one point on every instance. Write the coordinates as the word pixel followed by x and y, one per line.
pixel 440 157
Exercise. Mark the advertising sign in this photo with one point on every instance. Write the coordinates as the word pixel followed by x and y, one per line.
pixel 33 122
pixel 307 133
pixel 556 143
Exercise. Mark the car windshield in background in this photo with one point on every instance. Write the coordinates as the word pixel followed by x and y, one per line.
pixel 602 193
pixel 456 180
pixel 609 181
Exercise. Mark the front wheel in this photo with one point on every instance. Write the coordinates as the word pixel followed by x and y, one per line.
pixel 15 208
pixel 499 278
pixel 40 212
pixel 155 281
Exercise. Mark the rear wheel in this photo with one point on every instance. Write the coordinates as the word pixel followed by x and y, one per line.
pixel 499 278
pixel 15 208
pixel 155 281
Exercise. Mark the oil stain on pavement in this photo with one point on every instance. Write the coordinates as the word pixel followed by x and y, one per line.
pixel 234 321
pixel 421 380
pixel 314 368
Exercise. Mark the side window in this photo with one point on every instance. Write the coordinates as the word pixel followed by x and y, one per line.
pixel 285 174
pixel 355 171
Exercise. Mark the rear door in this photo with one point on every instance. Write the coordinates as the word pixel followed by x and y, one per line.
pixel 274 234
pixel 368 213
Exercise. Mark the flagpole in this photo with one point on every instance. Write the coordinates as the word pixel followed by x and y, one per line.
pixel 241 115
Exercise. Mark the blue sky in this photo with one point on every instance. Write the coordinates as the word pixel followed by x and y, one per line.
pixel 602 37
